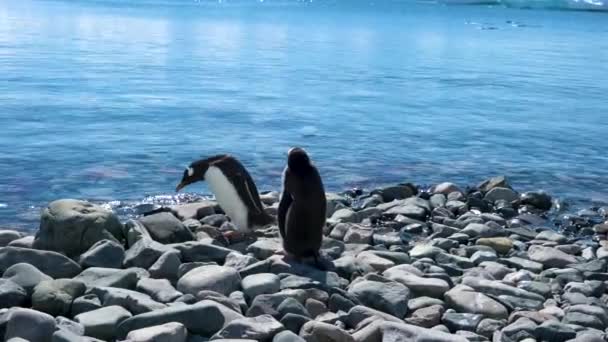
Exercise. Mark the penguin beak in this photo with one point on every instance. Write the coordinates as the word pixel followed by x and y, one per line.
pixel 180 186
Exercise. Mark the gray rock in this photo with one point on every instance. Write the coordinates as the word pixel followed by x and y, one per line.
pixel 481 256
pixel 215 316
pixel 372 262
pixel 419 286
pixel 550 235
pixel 488 326
pixel 102 323
pixel 195 211
pixel 202 252
pixel 294 322
pixel 426 317
pixel 393 332
pixel 445 188
pixel 7 236
pixel 451 259
pixel 11 294
pixel 496 288
pixel 291 305
pixel 322 332
pixel 519 330
pixel 135 231
pixel 63 323
pixel 456 321
pixel 220 279
pixel 550 257
pixel 466 300
pixel 537 199
pixel 215 220
pixel 480 230
pixel 586 315
pixel 52 264
pixel 421 302
pixel 189 266
pixel 30 325
pixel 111 277
pixel 228 302
pixel 555 331
pixel 424 251
pixel 72 227
pixel 55 297
pixel 168 332
pixel 24 242
pixel 358 234
pixel 287 336
pixel 166 266
pixel 26 276
pixel 269 304
pixel 239 261
pixel 389 297
pixel 499 193
pixel 360 313
pixel 165 228
pixel 159 290
pixel 315 307
pixel 88 302
pixel 409 210
pixel 262 283
pixel 144 253
pixel 260 328
pixel 264 248
pixel 104 253
pixel 133 301
pixel 520 263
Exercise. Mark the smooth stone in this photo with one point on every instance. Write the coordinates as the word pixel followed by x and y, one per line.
pixel 550 235
pixel 322 332
pixel 215 316
pixel 294 322
pixel 538 199
pixel 501 245
pixel 419 286
pixel 541 288
pixel 287 336
pixel 159 290
pixel 389 297
pixel 11 294
pixel 220 279
pixel 262 283
pixel 30 325
pixel 338 302
pixel 104 253
pixel 220 298
pixel 264 248
pixel 293 306
pixel 360 313
pixel 481 230
pixel 408 210
pixel 422 302
pixel 426 317
pixel 269 303
pixel 373 261
pixel 488 326
pixel 55 297
pixel 239 261
pixel 195 210
pixel 482 256
pixel 424 251
pixel 7 236
pixel 88 302
pixel 451 259
pixel 110 277
pixel 461 321
pixel 201 252
pixel 519 330
pixel 497 288
pixel 466 300
pixel 166 266
pixel 586 315
pixel 521 263
pixel 358 234
pixel 168 332
pixel 135 302
pixel 394 332
pixel 26 276
pixel 144 253
pixel 53 264
pixel 260 328
pixel 165 228
pixel 24 242
pixel 62 323
pixel 555 331
pixel 102 323
pixel 500 193
pixel 71 227
pixel 550 257
pixel 445 188
pixel 314 307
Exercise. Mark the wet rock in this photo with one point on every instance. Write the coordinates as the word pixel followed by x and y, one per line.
pixel 66 324
pixel 465 300
pixel 260 328
pixel 111 277
pixel 50 263
pixel 168 332
pixel 537 199
pixel 213 314
pixel 166 266
pixel 269 303
pixel 102 323
pixel 550 257
pixel 262 283
pixel 104 253
pixel 499 193
pixel 30 325
pixel 220 279
pixel 72 227
pixel 424 251
pixel 55 297
pixel 519 330
pixel 159 290
pixel 26 276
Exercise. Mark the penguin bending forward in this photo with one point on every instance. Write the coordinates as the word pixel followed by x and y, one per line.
pixel 301 214
pixel 233 188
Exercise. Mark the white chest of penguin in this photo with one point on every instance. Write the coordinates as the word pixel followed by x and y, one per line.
pixel 227 197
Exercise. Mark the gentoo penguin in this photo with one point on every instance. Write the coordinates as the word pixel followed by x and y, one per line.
pixel 233 188
pixel 302 207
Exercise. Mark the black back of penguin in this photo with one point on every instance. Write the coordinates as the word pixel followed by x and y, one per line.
pixel 303 206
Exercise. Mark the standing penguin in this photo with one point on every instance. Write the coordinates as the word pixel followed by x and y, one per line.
pixel 301 213
pixel 233 188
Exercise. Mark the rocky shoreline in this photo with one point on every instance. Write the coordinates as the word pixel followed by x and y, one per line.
pixel 445 264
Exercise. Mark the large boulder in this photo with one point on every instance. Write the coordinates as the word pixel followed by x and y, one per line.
pixel 102 323
pixel 52 264
pixel 25 275
pixel 7 236
pixel 30 325
pixel 71 227
pixel 11 294
pixel 166 228
pixel 55 297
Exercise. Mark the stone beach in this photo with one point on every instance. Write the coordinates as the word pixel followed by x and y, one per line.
pixel 485 263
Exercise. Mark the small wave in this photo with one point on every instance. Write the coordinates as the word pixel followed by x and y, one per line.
pixel 579 5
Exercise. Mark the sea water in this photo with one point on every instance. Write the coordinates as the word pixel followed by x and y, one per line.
pixel 110 100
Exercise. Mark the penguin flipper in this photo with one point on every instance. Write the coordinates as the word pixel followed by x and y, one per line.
pixel 284 205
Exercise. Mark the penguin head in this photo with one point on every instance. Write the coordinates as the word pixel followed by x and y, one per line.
pixel 193 173
pixel 297 158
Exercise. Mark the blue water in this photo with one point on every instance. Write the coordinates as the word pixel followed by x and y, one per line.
pixel 110 100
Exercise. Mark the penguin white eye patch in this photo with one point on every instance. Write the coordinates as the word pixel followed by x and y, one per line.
pixel 190 172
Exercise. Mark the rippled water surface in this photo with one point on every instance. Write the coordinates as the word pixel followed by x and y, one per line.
pixel 110 100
